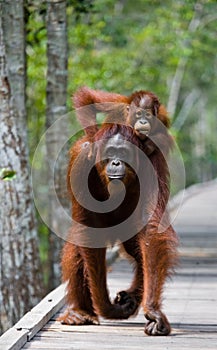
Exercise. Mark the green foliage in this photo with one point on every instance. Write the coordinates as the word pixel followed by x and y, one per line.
pixel 7 174
pixel 81 7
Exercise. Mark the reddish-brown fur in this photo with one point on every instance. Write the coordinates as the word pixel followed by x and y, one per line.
pixel 89 102
pixel 154 252
pixel 102 101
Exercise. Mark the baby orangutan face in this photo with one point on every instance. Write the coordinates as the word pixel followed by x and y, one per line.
pixel 141 119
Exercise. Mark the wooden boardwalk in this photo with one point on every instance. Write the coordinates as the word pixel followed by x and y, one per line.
pixel 190 297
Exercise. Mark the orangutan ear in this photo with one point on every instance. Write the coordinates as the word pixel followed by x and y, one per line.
pixel 156 107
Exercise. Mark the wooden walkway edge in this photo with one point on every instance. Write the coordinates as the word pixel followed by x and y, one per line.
pixel 34 320
pixel 25 329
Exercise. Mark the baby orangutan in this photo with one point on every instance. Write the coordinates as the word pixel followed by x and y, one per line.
pixel 142 110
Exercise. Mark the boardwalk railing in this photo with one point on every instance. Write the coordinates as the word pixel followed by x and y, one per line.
pixel 25 329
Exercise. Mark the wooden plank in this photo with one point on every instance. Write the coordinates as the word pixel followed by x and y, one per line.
pixel 33 320
pixel 119 340
pixel 190 300
pixel 13 339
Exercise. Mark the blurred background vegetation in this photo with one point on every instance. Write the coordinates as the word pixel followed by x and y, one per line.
pixel 167 47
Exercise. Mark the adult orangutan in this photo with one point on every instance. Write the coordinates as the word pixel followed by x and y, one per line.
pixel 118 159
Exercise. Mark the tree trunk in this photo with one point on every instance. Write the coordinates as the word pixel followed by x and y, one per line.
pixel 20 274
pixel 14 38
pixel 56 107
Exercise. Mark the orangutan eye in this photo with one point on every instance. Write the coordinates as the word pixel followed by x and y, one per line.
pixel 148 114
pixel 110 152
pixel 138 114
pixel 123 153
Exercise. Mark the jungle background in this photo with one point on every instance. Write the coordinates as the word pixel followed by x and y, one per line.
pixel 121 46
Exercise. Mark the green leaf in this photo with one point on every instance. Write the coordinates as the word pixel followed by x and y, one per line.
pixel 7 174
